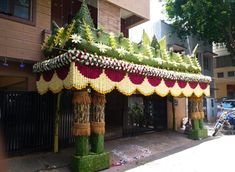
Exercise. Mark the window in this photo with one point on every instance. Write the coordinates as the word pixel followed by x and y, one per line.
pixel 220 75
pixel 230 73
pixel 225 61
pixel 20 10
pixel 206 63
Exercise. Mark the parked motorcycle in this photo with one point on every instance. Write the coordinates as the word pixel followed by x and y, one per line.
pixel 225 121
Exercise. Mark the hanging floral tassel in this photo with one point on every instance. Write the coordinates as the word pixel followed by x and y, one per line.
pixel 81 97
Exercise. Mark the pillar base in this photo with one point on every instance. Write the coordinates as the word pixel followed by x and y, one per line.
pixel 97 143
pixel 198 134
pixel 90 163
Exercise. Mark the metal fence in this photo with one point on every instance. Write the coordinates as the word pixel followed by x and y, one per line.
pixel 66 138
pixel 26 121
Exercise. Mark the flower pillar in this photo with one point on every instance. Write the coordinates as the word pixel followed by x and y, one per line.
pixel 81 129
pixel 98 123
pixel 196 115
pixel 97 159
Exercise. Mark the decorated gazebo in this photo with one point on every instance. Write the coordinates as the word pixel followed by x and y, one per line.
pixel 81 57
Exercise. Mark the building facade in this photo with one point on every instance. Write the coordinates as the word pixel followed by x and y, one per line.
pixel 224 72
pixel 25 24
pixel 23 27
pixel 204 55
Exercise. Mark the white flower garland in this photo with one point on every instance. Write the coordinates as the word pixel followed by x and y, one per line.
pixel 110 63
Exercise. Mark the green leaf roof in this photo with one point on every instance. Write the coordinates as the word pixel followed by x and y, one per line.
pixel 98 42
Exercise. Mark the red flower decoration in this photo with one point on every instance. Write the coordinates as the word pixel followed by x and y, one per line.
pixel 203 85
pixel 62 72
pixel 48 75
pixel 182 84
pixel 115 76
pixel 136 79
pixel 169 83
pixel 38 76
pixel 154 81
pixel 193 85
pixel 89 72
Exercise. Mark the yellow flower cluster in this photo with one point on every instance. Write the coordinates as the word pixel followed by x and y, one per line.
pixel 103 85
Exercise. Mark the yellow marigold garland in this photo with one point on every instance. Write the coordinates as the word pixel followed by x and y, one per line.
pixel 104 85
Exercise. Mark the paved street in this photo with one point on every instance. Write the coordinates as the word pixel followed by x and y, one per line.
pixel 215 155
pixel 161 151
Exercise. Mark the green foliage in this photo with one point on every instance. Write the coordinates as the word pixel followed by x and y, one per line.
pixel 152 53
pixel 162 43
pixel 48 45
pixel 211 20
pixel 130 46
pixel 148 51
pixel 54 27
pixel 124 42
pixel 155 43
pixel 84 15
pixel 145 38
pixel 60 35
pixel 112 41
pixel 136 113
pixel 104 38
pixel 88 33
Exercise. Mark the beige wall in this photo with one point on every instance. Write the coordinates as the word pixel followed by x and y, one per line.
pixel 180 112
pixel 221 83
pixel 221 90
pixel 225 70
pixel 139 7
pixel 23 41
pixel 109 17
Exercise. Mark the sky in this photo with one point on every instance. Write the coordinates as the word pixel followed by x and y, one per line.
pixel 156 11
pixel 156 14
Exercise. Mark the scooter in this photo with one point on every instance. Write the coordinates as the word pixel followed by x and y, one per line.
pixel 225 121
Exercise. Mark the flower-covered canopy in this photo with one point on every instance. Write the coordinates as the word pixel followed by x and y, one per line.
pixel 80 55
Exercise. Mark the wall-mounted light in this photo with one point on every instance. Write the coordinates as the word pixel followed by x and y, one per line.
pixel 22 65
pixel 5 62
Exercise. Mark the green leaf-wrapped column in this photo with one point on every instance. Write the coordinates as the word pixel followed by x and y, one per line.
pixel 81 129
pixel 97 123
pixel 196 115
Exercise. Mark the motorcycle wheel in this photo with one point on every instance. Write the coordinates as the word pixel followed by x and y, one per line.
pixel 215 132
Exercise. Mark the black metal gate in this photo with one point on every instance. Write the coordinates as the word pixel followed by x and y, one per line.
pixel 26 121
pixel 66 138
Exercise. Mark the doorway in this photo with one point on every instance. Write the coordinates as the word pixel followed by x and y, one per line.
pixel 145 114
pixel 115 109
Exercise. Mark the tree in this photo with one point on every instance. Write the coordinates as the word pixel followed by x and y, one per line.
pixel 212 20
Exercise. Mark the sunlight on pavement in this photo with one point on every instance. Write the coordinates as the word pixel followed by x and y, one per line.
pixel 215 155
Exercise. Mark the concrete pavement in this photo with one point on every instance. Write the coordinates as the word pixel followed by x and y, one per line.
pixel 216 155
pixel 126 153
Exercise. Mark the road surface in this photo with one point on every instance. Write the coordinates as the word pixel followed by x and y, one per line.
pixel 215 155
